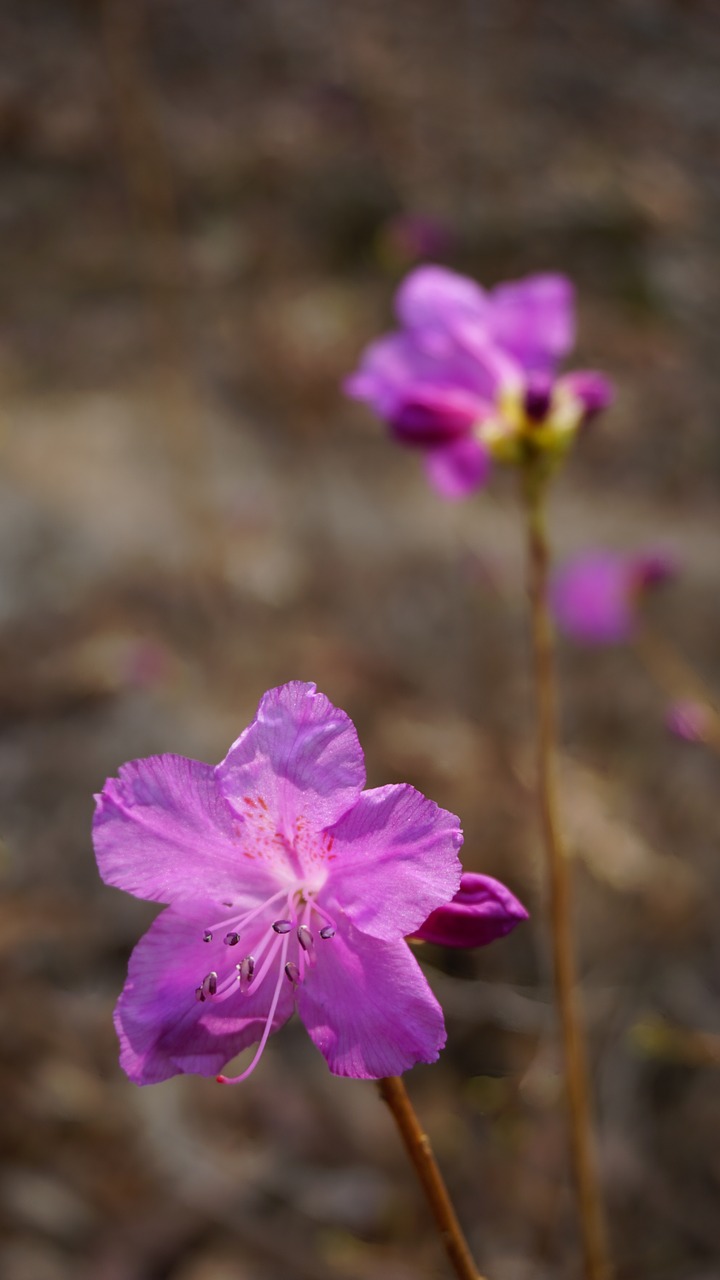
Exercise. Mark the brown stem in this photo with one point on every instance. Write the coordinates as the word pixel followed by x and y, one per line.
pixel 417 1145
pixel 592 1226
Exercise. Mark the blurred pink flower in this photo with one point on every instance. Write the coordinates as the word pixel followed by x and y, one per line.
pixel 472 375
pixel 690 720
pixel 595 596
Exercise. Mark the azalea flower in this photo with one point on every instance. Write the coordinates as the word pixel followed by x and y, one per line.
pixel 472 374
pixel 289 887
pixel 595 597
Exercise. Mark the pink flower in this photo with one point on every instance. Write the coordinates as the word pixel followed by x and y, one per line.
pixel 289 888
pixel 472 374
pixel 690 720
pixel 595 596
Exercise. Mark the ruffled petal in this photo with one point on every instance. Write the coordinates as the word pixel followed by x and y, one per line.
pixel 435 298
pixel 396 859
pixel 399 366
pixel 163 831
pixel 164 1031
pixel 300 759
pixel 458 469
pixel 387 368
pixel 482 910
pixel 534 319
pixel 368 1007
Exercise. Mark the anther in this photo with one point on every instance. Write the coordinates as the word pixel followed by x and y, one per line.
pixel 282 926
pixel 292 973
pixel 305 937
pixel 209 985
pixel 231 939
pixel 327 931
pixel 199 994
pixel 207 936
pixel 247 969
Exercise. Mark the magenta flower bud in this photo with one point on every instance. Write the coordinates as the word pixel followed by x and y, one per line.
pixel 653 570
pixel 409 237
pixel 482 910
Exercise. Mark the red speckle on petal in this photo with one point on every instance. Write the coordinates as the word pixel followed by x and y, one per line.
pixel 262 802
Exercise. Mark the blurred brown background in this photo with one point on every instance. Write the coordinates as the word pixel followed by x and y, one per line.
pixel 204 210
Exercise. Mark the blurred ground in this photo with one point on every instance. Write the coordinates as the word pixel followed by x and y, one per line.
pixel 201 219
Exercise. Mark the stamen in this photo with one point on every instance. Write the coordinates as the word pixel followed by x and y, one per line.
pixel 282 926
pixel 207 936
pixel 243 918
pixel 324 915
pixel 305 937
pixel 263 969
pixel 209 984
pixel 268 1025
pixel 327 932
pixel 231 939
pixel 292 973
pixel 247 969
pixel 200 995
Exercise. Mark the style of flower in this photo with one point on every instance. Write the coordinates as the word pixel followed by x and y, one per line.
pixel 595 597
pixel 472 374
pixel 289 887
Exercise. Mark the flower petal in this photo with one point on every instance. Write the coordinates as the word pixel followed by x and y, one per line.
pixel 396 860
pixel 163 831
pixel 591 598
pixel 458 469
pixel 482 910
pixel 368 1007
pixel 434 298
pixel 432 416
pixel 534 319
pixel 387 367
pixel 164 1031
pixel 300 758
pixel 398 366
pixel 594 391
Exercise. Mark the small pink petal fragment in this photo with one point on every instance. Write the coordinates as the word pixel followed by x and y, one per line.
pixel 691 721
pixel 457 470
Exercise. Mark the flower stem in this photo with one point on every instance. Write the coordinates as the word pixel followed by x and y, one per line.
pixel 417 1145
pixel 592 1225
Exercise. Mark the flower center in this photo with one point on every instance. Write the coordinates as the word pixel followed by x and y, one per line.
pixel 283 948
